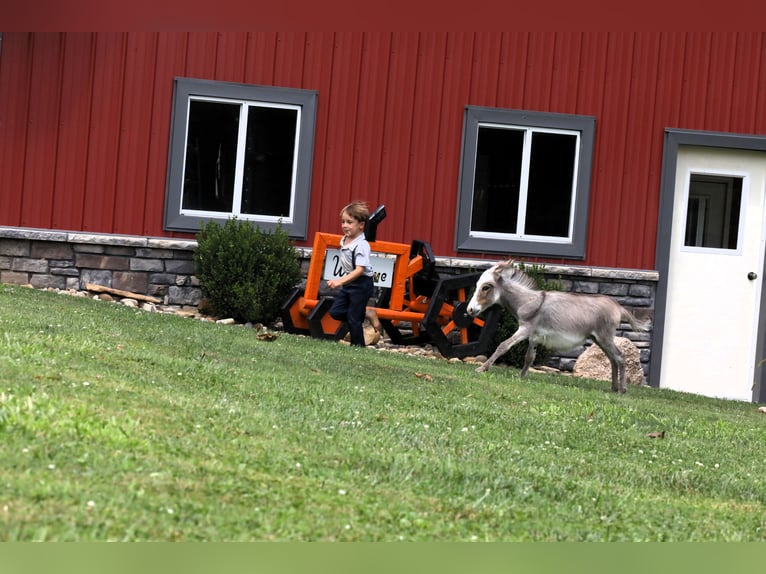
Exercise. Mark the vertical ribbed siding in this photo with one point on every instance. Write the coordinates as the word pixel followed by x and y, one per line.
pixel 15 74
pixel 400 96
pixel 749 56
pixel 512 70
pixel 317 75
pixel 643 148
pixel 170 62
pixel 76 103
pixel 201 55
pixel 230 57
pixel 40 160
pixel 103 147
pixel 721 80
pixel 135 127
pixel 484 63
pixel 85 117
pixel 760 104
pixel 260 58
pixel 539 74
pixel 461 50
pixel 608 178
pixel 696 80
pixel 291 51
pixel 370 120
pixel 342 99
pixel 565 72
pixel 417 211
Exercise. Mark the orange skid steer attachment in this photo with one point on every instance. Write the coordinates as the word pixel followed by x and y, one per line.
pixel 416 305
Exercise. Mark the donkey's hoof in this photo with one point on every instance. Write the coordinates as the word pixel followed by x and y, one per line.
pixel 481 369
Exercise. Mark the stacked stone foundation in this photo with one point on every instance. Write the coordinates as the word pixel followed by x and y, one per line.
pixel 161 268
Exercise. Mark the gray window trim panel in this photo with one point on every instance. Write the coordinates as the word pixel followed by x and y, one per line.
pixel 673 139
pixel 185 87
pixel 587 127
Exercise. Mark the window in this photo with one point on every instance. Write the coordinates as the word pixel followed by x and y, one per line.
pixel 713 212
pixel 524 182
pixel 240 150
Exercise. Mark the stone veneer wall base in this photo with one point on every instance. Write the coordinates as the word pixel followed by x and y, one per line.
pixel 157 267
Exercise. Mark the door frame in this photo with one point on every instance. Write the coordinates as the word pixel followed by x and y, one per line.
pixel 674 138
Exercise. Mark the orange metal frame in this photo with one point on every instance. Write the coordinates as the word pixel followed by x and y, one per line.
pixel 403 306
pixel 398 309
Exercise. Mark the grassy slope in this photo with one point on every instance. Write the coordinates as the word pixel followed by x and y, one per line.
pixel 123 425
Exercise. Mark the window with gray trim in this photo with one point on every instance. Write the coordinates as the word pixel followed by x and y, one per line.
pixel 524 182
pixel 239 150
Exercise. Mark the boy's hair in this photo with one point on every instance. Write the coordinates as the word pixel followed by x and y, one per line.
pixel 358 210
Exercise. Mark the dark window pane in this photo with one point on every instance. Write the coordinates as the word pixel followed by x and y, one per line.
pixel 269 157
pixel 712 213
pixel 497 180
pixel 211 155
pixel 551 176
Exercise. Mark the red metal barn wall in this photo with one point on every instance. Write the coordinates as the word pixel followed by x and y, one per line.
pixel 85 118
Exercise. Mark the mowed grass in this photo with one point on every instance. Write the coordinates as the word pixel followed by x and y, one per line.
pixel 119 424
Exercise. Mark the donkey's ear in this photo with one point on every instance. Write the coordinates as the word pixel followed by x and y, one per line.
pixel 502 267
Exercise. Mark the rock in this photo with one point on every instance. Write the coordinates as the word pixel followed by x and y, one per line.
pixel 181 312
pixel 371 335
pixel 593 364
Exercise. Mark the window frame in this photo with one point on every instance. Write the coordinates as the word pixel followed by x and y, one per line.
pixel 728 176
pixel 572 247
pixel 185 90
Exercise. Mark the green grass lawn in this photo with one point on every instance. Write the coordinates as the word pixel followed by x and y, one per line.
pixel 119 424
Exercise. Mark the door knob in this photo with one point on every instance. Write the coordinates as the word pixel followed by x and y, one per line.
pixel 752 276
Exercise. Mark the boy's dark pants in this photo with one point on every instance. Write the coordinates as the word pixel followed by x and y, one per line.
pixel 350 305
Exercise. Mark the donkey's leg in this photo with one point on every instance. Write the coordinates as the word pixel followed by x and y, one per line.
pixel 616 358
pixel 502 348
pixel 621 367
pixel 529 358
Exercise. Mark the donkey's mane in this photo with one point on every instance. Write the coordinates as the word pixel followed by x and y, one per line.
pixel 509 271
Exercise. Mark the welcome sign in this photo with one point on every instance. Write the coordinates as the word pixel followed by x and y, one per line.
pixel 382 267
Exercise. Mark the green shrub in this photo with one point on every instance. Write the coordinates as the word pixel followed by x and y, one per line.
pixel 245 273
pixel 507 324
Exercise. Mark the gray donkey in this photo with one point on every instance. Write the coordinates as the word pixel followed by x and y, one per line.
pixel 556 320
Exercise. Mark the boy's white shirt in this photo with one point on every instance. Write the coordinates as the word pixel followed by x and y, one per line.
pixel 362 254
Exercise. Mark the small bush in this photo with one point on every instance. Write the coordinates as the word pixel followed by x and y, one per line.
pixel 507 324
pixel 245 273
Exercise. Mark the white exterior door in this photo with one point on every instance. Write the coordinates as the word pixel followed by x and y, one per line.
pixel 714 276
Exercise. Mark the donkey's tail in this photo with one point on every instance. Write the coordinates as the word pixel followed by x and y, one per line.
pixel 635 324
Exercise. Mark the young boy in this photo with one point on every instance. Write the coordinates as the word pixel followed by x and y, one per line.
pixel 356 285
